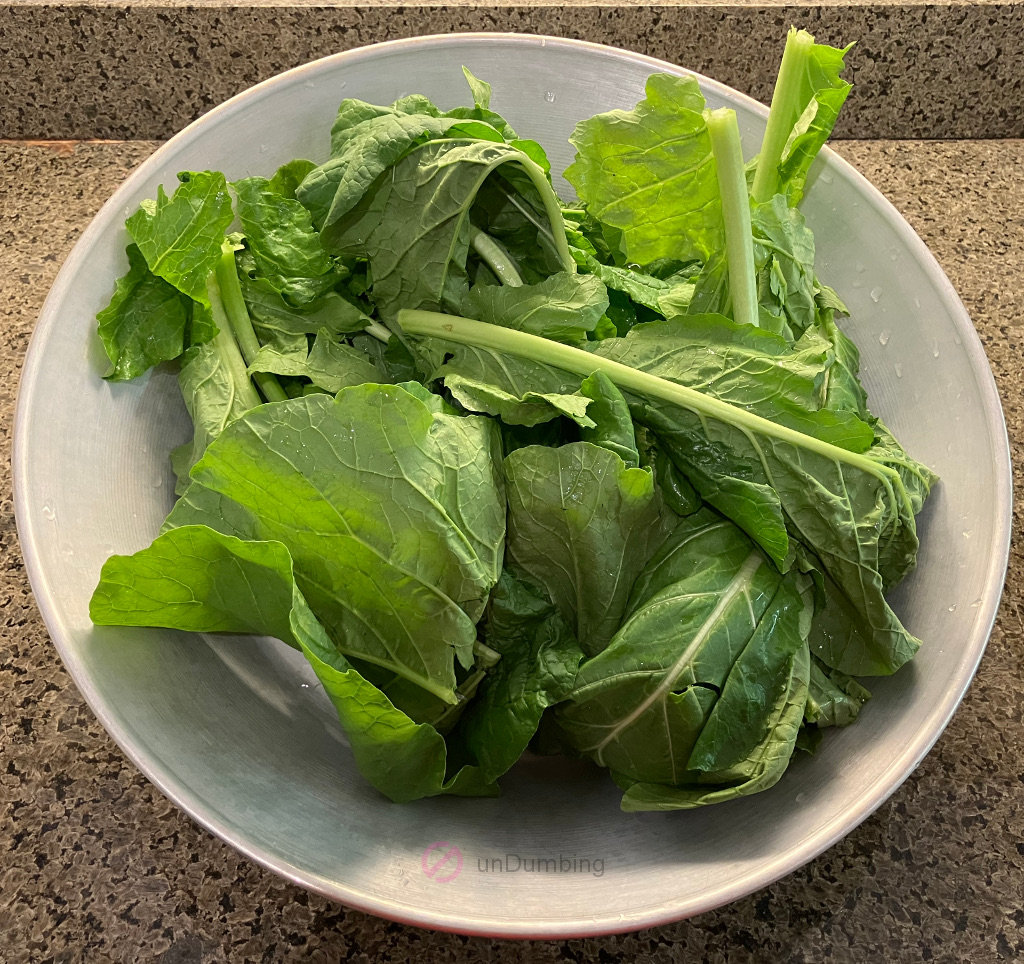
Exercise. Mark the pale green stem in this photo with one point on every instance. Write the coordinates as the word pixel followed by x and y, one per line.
pixel 378 331
pixel 785 111
pixel 496 258
pixel 227 347
pixel 241 324
pixel 584 363
pixel 732 187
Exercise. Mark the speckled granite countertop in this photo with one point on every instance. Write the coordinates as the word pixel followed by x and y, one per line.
pixel 99 69
pixel 96 866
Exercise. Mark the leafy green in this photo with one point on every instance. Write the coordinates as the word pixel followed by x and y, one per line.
pixel 288 177
pixel 582 524
pixel 703 515
pixel 688 688
pixel 853 507
pixel 564 307
pixel 390 507
pixel 365 142
pixel 284 246
pixel 650 172
pixel 180 237
pixel 414 226
pixel 144 323
pixel 807 99
pixel 332 312
pixel 329 365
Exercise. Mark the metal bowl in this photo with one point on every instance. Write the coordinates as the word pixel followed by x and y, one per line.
pixel 236 731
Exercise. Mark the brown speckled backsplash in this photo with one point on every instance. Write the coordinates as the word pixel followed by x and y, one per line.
pixel 919 70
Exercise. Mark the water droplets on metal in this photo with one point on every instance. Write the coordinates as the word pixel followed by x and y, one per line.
pixel 898 368
pixel 883 338
pixel 876 293
pixel 550 96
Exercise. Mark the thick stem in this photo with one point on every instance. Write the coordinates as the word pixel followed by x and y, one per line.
pixel 553 210
pixel 241 325
pixel 739 239
pixel 227 348
pixel 585 363
pixel 785 112
pixel 496 258
pixel 378 331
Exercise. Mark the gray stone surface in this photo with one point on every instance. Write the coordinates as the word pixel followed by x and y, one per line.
pixel 97 867
pixel 91 70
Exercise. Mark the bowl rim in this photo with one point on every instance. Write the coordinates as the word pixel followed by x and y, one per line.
pixel 593 926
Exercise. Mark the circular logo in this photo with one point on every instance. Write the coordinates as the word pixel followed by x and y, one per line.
pixel 442 862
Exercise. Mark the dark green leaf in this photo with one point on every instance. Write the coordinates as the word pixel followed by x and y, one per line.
pixel 144 324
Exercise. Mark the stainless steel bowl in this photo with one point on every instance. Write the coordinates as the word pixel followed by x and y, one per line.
pixel 235 730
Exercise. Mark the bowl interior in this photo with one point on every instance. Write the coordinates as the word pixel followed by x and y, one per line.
pixel 236 730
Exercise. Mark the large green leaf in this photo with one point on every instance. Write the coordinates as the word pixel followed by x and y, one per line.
pixel 366 141
pixel 281 239
pixel 390 506
pixel 583 525
pixel 194 578
pixel 144 323
pixel 414 228
pixel 853 508
pixel 688 687
pixel 650 172
pixel 180 237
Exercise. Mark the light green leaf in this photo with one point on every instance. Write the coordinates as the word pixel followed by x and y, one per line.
pixel 650 172
pixel 391 507
pixel 563 307
pixel 180 237
pixel 288 177
pixel 583 525
pixel 286 249
pixel 144 323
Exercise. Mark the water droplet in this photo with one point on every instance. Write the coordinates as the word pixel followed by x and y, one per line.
pixel 949 448
pixel 952 608
pixel 956 339
pixel 898 368
pixel 876 293
pixel 801 797
pixel 305 686
pixel 935 350
pixel 976 603
pixel 858 284
pixel 883 338
pixel 157 482
pixel 49 514
pixel 861 268
pixel 967 533
pixel 264 148
pixel 310 84
pixel 550 96
pixel 826 178
pixel 917 302
pixel 894 256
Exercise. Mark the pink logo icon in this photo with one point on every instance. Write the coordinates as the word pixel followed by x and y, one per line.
pixel 442 862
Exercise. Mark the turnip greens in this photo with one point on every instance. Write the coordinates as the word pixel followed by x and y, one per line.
pixel 594 476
